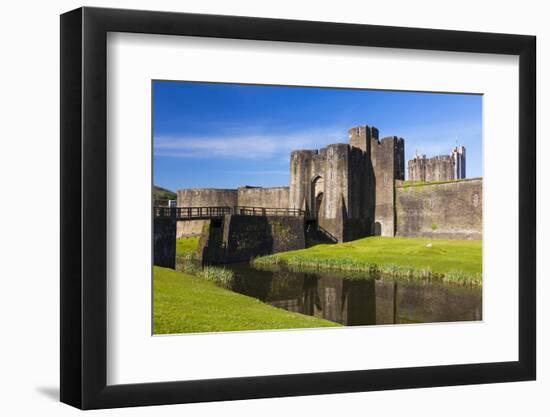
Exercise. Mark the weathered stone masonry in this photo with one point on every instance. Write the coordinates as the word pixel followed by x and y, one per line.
pixel 272 197
pixel 438 168
pixel 349 188
pixel 451 210
pixel 164 242
pixel 239 238
pixel 352 190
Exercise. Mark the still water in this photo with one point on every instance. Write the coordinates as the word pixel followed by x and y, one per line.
pixel 354 302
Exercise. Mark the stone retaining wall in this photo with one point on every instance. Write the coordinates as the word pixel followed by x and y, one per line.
pixel 240 238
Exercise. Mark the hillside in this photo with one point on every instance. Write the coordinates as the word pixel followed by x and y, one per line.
pixel 160 193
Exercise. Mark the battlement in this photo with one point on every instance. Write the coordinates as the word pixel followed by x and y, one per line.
pixel 347 189
pixel 361 136
pixel 387 139
pixel 438 168
pixel 303 154
pixel 249 196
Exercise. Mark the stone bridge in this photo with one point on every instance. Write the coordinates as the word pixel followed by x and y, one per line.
pixel 228 234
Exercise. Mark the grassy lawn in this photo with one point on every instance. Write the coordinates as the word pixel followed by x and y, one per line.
pixel 185 303
pixel 186 247
pixel 456 261
pixel 408 183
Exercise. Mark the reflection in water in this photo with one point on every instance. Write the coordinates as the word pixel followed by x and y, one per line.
pixel 353 302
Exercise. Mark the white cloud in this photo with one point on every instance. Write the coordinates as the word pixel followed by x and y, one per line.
pixel 258 172
pixel 248 146
pixel 247 143
pixel 439 139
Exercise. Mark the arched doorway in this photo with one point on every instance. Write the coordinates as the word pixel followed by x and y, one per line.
pixel 317 191
pixel 318 201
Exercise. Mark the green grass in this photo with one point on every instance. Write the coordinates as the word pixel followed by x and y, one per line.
pixel 222 277
pixel 452 261
pixel 408 183
pixel 185 303
pixel 186 247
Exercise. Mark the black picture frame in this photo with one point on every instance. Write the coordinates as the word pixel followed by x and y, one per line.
pixel 84 207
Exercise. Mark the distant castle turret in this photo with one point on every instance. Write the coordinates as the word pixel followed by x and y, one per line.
pixel 438 168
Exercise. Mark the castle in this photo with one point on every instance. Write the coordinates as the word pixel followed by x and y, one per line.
pixel 348 188
pixel 438 168
pixel 356 189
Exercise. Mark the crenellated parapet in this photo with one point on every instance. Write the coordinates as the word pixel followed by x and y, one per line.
pixel 438 168
pixel 321 184
pixel 348 190
pixel 362 136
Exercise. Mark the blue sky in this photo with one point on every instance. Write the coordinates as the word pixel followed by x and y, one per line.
pixel 228 135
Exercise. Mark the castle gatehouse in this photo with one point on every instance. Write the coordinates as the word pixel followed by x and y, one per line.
pixel 357 189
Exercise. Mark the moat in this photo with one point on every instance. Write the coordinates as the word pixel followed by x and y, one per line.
pixel 355 300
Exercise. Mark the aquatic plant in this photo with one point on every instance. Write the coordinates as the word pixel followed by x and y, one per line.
pixel 186 256
pixel 187 267
pixel 460 277
pixel 347 257
pixel 220 276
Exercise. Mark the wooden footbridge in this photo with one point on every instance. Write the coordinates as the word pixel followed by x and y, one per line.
pixel 217 212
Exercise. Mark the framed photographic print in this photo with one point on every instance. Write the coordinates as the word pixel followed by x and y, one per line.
pixel 258 208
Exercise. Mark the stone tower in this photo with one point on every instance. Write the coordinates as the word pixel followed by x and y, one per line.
pixel 459 156
pixel 438 168
pixel 326 184
pixel 349 189
pixel 385 163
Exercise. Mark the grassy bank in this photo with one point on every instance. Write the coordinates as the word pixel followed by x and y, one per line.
pixel 184 303
pixel 220 276
pixel 408 183
pixel 453 261
pixel 186 247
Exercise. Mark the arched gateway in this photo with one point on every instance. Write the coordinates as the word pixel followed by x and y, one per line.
pixel 317 193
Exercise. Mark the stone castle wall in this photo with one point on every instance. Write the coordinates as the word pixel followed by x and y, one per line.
pixel 188 228
pixel 445 211
pixel 438 168
pixel 207 197
pixel 384 163
pixel 164 242
pixel 351 191
pixel 387 161
pixel 318 184
pixel 305 167
pixel 330 185
pixel 274 197
pixel 240 238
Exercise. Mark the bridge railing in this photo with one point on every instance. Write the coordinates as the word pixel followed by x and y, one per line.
pixel 191 212
pixel 219 211
pixel 267 211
